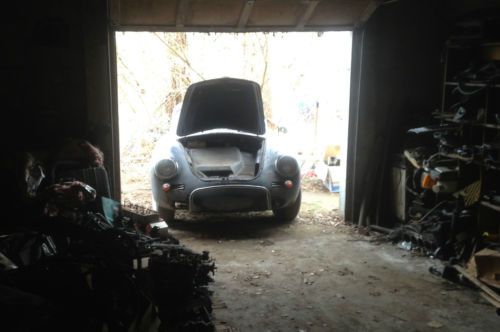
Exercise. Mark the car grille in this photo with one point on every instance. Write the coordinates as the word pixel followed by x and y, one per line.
pixel 230 198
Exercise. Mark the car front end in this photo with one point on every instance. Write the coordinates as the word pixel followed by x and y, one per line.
pixel 220 160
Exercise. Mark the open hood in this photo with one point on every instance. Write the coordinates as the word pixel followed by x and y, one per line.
pixel 224 103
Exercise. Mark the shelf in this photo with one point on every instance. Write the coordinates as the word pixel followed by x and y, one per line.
pixel 491 206
pixel 470 122
pixel 480 85
pixel 472 44
pixel 442 115
pixel 488 167
pixel 490 44
pixel 474 161
pixel 456 156
pixel 491 125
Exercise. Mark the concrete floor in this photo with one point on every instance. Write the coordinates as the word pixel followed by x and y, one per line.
pixel 320 275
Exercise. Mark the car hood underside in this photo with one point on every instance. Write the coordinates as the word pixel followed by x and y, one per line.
pixel 222 103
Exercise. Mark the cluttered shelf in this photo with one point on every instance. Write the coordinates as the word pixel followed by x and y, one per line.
pixel 443 154
pixel 451 170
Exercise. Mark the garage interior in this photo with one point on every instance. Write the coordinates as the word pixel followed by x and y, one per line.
pixel 417 245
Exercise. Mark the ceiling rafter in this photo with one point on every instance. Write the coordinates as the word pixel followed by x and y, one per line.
pixel 371 8
pixel 182 10
pixel 114 12
pixel 240 15
pixel 306 15
pixel 245 13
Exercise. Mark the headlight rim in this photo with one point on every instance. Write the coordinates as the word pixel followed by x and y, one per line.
pixel 162 177
pixel 297 168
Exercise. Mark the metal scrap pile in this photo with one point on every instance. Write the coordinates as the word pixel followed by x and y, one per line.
pixel 96 275
pixel 445 234
pixel 441 216
pixel 64 265
pixel 452 173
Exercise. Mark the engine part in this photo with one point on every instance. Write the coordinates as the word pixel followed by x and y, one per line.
pixel 447 179
pixel 100 275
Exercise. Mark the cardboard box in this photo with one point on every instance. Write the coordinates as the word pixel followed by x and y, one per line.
pixel 485 265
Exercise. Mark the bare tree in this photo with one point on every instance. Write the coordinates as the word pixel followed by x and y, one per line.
pixel 177 46
pixel 266 91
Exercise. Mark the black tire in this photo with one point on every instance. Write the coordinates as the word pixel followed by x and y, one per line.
pixel 290 212
pixel 168 215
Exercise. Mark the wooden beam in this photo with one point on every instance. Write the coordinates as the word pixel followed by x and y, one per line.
pixel 245 13
pixel 491 293
pixel 114 13
pixel 182 9
pixel 201 28
pixel 311 6
pixel 371 8
pixel 368 12
pixel 494 303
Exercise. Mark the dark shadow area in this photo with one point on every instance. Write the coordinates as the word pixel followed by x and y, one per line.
pixel 232 226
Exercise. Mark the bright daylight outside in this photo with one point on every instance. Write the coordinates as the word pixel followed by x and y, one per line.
pixel 304 78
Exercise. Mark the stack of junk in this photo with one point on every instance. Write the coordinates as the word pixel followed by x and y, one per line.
pixel 73 259
pixel 447 181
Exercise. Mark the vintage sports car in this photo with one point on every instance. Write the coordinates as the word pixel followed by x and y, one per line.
pixel 220 160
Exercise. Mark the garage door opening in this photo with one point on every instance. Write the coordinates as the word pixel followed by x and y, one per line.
pixel 304 77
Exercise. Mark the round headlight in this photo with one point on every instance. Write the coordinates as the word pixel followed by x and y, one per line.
pixel 287 166
pixel 166 169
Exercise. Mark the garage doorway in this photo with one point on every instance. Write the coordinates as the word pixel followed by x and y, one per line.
pixel 305 80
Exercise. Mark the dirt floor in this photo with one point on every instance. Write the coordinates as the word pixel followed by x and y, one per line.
pixel 317 274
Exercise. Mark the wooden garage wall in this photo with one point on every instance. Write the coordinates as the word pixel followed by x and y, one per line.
pixel 398 81
pixel 56 75
pixel 43 67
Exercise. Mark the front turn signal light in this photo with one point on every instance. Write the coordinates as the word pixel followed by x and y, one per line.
pixel 166 187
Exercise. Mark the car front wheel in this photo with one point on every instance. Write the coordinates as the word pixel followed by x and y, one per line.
pixel 290 212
